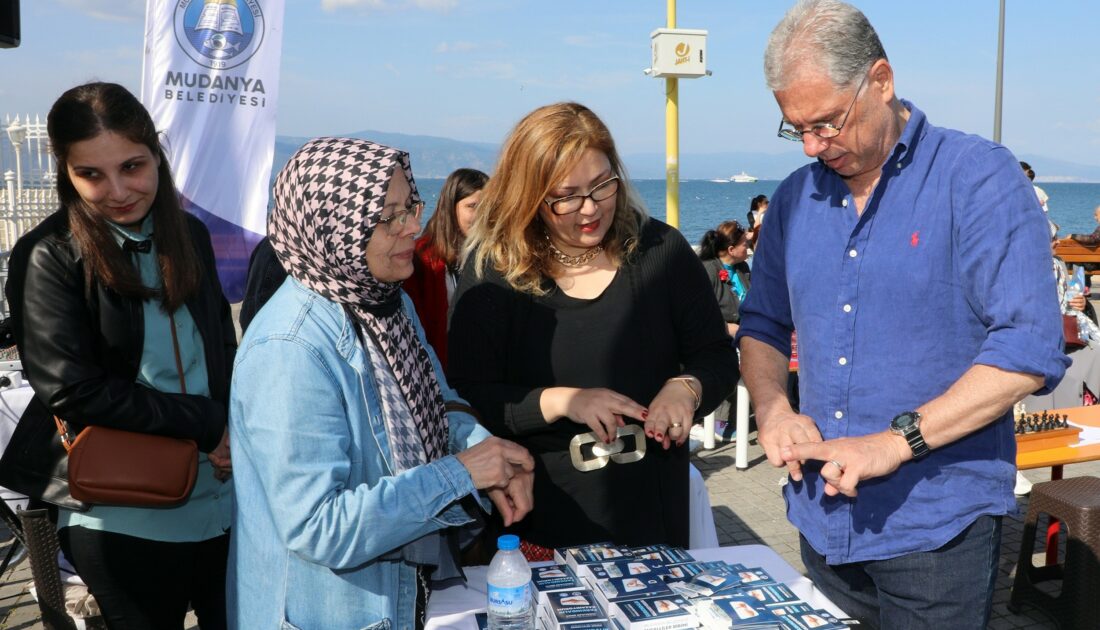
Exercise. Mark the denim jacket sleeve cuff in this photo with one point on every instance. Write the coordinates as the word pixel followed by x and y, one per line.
pixel 452 474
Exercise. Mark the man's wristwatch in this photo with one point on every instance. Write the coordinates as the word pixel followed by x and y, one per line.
pixel 907 425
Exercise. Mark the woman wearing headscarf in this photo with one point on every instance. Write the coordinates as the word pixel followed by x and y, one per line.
pixel 354 481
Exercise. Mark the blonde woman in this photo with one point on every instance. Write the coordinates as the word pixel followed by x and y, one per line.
pixel 577 318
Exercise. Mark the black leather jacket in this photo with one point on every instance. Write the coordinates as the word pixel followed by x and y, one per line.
pixel 81 346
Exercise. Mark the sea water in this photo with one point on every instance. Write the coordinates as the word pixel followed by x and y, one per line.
pixel 705 204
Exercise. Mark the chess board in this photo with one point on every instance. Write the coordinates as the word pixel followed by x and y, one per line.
pixel 1038 431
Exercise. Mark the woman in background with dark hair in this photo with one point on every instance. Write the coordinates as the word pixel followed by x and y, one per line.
pixel 435 268
pixel 757 207
pixel 724 251
pixel 100 292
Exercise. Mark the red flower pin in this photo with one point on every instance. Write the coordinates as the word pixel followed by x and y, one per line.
pixel 723 275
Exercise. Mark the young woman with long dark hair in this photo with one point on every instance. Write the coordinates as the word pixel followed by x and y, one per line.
pixel 95 291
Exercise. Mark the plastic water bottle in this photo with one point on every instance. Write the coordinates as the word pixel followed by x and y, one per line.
pixel 509 581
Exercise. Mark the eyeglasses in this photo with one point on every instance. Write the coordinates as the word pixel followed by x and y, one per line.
pixel 825 131
pixel 397 221
pixel 568 205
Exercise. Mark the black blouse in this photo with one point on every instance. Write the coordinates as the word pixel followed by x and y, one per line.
pixel 657 319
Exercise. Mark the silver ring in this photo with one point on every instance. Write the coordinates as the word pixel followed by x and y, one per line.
pixel 839 466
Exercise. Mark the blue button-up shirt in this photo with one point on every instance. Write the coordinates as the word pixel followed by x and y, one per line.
pixel 947 267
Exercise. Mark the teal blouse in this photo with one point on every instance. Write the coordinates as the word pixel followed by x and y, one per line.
pixel 736 285
pixel 208 513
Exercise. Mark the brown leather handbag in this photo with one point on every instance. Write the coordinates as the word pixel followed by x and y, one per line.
pixel 115 467
pixel 1071 332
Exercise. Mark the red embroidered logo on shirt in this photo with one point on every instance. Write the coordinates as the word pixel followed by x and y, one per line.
pixel 914 240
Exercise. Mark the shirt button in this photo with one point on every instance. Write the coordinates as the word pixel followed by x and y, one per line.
pixel 847 308
pixel 844 202
pixel 899 165
pixel 851 253
pixel 838 415
pixel 842 361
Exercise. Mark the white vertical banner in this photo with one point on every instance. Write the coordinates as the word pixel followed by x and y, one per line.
pixel 211 82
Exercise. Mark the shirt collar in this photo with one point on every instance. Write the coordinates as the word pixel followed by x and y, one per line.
pixel 910 135
pixel 122 233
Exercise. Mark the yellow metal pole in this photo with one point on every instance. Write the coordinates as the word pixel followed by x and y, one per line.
pixel 672 152
pixel 672 139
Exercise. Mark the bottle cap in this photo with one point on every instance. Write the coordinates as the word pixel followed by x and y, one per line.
pixel 508 542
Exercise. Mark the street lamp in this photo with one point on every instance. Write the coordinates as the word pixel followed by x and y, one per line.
pixel 17 134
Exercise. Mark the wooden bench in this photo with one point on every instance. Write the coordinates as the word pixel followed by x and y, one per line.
pixel 1071 251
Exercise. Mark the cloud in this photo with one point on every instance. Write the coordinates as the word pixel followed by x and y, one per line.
pixel 499 70
pixel 112 10
pixel 467 47
pixel 380 5
pixel 593 82
pixel 580 41
pixel 95 57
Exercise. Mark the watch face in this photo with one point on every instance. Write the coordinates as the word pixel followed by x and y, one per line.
pixel 904 421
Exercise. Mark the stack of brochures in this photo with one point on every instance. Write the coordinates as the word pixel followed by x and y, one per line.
pixel 658 587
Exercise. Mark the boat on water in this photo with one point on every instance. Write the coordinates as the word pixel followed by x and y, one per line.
pixel 740 178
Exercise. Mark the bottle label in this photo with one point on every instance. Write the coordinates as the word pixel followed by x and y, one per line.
pixel 509 601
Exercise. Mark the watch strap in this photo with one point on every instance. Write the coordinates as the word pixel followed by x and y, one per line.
pixel 916 442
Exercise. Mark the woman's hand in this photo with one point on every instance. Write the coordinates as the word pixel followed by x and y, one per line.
pixel 672 410
pixel 1077 303
pixel 516 500
pixel 493 462
pixel 507 471
pixel 220 458
pixel 602 410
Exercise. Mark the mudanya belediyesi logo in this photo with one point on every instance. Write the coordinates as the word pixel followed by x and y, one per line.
pixel 219 34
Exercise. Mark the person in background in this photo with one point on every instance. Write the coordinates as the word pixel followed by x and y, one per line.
pixel 436 266
pixel 94 291
pixel 757 208
pixel 1039 192
pixel 578 318
pixel 357 470
pixel 893 419
pixel 723 251
pixel 1093 239
pixel 265 276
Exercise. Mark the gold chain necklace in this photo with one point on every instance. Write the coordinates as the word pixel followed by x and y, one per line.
pixel 566 260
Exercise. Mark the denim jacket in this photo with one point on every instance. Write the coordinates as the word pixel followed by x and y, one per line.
pixel 318 504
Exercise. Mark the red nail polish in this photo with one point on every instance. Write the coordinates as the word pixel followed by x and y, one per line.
pixel 645 414
pixel 659 437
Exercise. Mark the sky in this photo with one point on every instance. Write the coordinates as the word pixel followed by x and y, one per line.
pixel 470 69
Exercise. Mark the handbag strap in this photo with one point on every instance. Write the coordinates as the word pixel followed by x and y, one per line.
pixel 67 437
pixel 454 405
pixel 176 350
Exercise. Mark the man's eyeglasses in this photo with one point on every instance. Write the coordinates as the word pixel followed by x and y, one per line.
pixel 573 203
pixel 825 131
pixel 396 222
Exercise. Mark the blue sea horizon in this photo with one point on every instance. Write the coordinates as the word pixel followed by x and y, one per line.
pixel 704 204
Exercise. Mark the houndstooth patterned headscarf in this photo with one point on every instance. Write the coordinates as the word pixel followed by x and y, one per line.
pixel 328 200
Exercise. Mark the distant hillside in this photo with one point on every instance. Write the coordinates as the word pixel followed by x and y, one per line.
pixel 435 157
pixel 432 157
